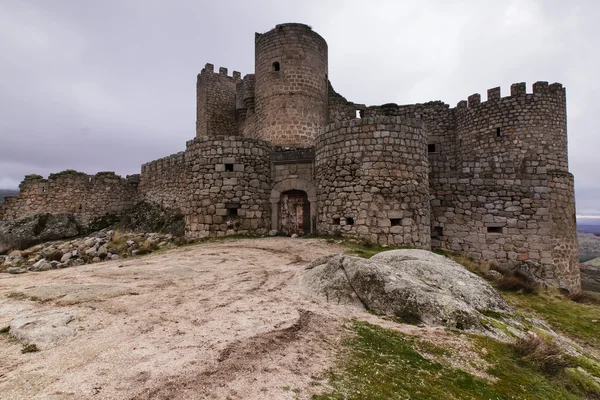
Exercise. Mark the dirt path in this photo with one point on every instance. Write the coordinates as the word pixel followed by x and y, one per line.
pixel 216 321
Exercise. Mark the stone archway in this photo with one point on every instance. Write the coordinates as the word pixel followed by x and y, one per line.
pixel 288 185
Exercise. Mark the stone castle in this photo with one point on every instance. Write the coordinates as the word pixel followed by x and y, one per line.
pixel 280 150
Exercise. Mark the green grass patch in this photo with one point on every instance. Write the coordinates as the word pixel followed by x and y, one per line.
pixel 357 247
pixel 377 363
pixel 580 322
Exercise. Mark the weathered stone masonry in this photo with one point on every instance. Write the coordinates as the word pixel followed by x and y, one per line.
pixel 281 150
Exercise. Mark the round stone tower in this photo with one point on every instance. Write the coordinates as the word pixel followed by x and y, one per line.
pixel 291 85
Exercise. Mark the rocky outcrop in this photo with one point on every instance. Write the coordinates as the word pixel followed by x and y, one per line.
pixel 414 285
pixel 101 246
pixel 27 231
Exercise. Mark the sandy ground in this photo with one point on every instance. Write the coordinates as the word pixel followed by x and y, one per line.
pixel 224 320
pixel 213 321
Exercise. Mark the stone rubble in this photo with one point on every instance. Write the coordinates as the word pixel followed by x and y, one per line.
pixel 102 246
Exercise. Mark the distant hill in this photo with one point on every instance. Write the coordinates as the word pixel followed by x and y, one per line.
pixel 590 226
pixel 7 192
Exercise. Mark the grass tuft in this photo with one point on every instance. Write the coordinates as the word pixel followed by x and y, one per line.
pixel 517 283
pixel 542 352
pixel 585 298
pixel 29 348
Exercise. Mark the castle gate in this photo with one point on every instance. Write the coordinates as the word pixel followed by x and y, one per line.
pixel 293 206
pixel 294 213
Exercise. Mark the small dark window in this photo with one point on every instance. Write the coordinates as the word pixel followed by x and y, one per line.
pixel 494 229
pixel 437 232
pixel 349 221
pixel 232 212
pixel 43 189
pixel 431 148
pixel 336 221
pixel 276 66
pixel 395 221
pixel 229 167
pixel 498 132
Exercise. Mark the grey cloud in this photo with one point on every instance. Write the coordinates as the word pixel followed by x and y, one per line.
pixel 109 85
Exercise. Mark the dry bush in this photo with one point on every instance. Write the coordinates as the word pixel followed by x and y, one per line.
pixel 517 283
pixel 585 298
pixel 542 352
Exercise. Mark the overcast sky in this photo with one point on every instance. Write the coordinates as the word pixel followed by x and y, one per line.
pixel 108 85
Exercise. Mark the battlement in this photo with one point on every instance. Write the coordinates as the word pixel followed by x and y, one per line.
pixel 209 69
pixel 516 89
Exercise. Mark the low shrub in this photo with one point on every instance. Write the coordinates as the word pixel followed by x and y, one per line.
pixel 518 282
pixel 585 298
pixel 543 352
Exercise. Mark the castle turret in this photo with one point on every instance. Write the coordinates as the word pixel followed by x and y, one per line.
pixel 291 85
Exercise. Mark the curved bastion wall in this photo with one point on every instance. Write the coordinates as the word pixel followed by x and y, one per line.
pixel 228 187
pixel 372 179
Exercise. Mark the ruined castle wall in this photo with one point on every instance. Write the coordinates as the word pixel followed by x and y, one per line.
pixel 215 102
pixel 85 196
pixel 162 182
pixel 372 176
pixel 498 204
pixel 228 183
pixel 340 109
pixel 291 85
pixel 245 107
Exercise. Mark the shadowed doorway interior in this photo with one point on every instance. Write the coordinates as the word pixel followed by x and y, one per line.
pixel 294 213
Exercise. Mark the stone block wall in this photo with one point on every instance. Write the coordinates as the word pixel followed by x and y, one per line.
pixel 565 254
pixel 500 202
pixel 228 184
pixel 291 85
pixel 85 196
pixel 162 182
pixel 372 181
pixel 245 108
pixel 215 102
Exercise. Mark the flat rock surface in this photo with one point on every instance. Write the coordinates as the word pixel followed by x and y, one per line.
pixel 211 321
pixel 45 329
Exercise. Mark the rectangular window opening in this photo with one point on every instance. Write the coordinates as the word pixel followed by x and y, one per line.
pixel 232 212
pixel 229 167
pixel 349 221
pixel 494 229
pixel 437 232
pixel 431 148
pixel 395 221
pixel 498 132
pixel 336 221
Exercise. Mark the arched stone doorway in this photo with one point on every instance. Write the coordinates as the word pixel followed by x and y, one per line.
pixel 295 198
pixel 294 213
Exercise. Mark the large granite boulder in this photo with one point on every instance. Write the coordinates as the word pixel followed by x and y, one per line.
pixel 28 231
pixel 414 285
